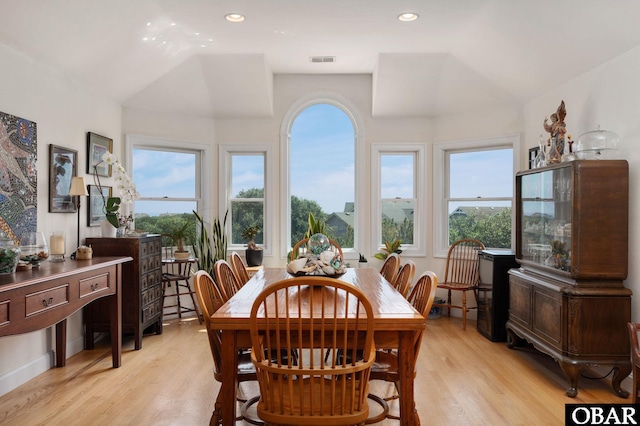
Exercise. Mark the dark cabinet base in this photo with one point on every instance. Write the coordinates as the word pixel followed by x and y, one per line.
pixel 141 288
pixel 578 325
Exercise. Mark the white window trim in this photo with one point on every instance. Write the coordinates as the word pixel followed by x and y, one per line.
pixel 360 177
pixel 203 178
pixel 440 171
pixel 418 248
pixel 224 158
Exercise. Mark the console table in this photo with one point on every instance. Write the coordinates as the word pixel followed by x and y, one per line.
pixel 43 296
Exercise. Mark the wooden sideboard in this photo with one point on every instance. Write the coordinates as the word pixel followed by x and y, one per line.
pixel 568 298
pixel 45 296
pixel 141 287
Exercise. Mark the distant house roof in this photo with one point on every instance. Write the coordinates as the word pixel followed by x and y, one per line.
pixel 347 218
pixel 480 210
pixel 398 211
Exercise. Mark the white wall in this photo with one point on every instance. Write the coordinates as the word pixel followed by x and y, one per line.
pixel 64 112
pixel 608 96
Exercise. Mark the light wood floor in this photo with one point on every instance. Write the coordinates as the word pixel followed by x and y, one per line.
pixel 463 379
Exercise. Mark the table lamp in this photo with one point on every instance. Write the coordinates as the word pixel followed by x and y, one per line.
pixel 78 189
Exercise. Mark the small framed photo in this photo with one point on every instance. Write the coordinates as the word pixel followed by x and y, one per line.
pixel 533 154
pixel 95 212
pixel 96 146
pixel 62 167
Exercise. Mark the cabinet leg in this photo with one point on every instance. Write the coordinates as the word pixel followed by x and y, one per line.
pixel 572 372
pixel 512 339
pixel 620 372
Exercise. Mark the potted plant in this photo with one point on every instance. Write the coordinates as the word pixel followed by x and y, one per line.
pixel 178 236
pixel 253 252
pixel 207 249
pixel 362 261
pixel 389 247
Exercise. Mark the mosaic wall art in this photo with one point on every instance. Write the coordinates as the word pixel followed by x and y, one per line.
pixel 18 179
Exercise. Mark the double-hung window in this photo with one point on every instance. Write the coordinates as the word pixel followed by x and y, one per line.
pixel 398 178
pixel 245 174
pixel 474 191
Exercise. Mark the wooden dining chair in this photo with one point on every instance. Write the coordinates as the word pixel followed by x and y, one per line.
pixel 386 365
pixel 226 279
pixel 634 329
pixel 390 267
pixel 239 268
pixel 462 274
pixel 404 278
pixel 302 247
pixel 210 299
pixel 311 315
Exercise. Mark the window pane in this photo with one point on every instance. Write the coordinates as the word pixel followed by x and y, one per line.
pixel 487 221
pixel 481 174
pixel 244 214
pixel 164 173
pixel 322 178
pixel 397 176
pixel 397 221
pixel 247 176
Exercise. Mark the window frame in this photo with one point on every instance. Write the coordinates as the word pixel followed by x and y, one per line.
pixel 418 150
pixel 441 178
pixel 202 174
pixel 359 173
pixel 226 153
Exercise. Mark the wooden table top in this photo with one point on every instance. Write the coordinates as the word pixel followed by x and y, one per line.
pixel 391 310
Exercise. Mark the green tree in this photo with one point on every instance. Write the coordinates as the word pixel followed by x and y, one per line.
pixel 166 224
pixel 247 213
pixel 492 230
pixel 300 209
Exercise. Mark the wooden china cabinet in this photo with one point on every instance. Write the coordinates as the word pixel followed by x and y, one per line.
pixel 568 298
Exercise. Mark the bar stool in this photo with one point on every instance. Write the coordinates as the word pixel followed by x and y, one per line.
pixel 178 272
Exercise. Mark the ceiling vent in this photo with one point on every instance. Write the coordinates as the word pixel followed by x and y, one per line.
pixel 322 59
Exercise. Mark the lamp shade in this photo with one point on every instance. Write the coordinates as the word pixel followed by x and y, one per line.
pixel 78 187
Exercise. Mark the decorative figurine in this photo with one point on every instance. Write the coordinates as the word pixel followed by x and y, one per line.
pixel 557 129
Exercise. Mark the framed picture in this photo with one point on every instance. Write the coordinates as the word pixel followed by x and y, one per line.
pixel 95 211
pixel 533 153
pixel 62 167
pixel 96 146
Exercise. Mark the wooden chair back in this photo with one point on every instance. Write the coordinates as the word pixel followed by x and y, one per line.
pixel 390 267
pixel 403 280
pixel 421 297
pixel 302 247
pixel 312 316
pixel 462 263
pixel 226 279
pixel 210 299
pixel 239 268
pixel 634 329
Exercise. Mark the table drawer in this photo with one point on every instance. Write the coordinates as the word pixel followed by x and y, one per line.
pixel 36 303
pixel 93 285
pixel 4 312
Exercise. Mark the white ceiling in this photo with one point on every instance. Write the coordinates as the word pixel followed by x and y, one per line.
pixel 460 56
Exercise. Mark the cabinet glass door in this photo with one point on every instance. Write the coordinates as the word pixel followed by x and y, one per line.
pixel 546 218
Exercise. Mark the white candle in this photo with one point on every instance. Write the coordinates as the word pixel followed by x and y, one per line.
pixel 56 243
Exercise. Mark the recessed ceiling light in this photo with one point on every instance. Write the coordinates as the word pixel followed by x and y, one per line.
pixel 408 17
pixel 234 17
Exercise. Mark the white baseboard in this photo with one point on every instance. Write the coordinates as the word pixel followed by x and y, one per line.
pixel 23 374
pixel 14 378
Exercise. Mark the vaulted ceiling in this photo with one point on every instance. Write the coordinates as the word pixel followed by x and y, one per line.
pixel 183 56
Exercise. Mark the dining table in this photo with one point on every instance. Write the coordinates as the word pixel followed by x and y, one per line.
pixel 396 323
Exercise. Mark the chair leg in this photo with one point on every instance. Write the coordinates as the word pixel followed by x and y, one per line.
pixel 464 310
pixel 449 303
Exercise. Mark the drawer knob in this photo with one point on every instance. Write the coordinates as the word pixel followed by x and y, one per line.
pixel 95 286
pixel 47 302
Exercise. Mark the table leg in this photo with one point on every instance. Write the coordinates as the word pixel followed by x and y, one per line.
pixel 115 318
pixel 229 386
pixel 406 361
pixel 61 343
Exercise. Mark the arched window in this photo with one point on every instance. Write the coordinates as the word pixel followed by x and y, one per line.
pixel 321 155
